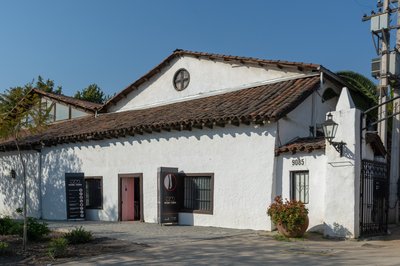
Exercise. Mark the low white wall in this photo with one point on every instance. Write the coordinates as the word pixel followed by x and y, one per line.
pixel 342 197
pixel 302 161
pixel 241 158
pixel 11 190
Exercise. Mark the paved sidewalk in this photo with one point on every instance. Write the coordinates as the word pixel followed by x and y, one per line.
pixel 192 245
pixel 149 233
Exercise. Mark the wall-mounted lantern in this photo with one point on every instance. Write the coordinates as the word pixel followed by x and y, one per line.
pixel 330 128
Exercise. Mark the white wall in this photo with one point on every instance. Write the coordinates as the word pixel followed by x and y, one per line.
pixel 11 190
pixel 241 158
pixel 342 197
pixel 205 76
pixel 312 162
pixel 310 112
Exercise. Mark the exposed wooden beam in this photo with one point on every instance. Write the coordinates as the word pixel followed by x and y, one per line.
pixel 138 131
pixel 198 125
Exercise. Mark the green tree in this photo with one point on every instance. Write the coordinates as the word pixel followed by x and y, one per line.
pixel 92 93
pixel 363 84
pixel 47 85
pixel 21 113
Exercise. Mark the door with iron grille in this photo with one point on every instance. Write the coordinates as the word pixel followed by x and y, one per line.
pixel 374 198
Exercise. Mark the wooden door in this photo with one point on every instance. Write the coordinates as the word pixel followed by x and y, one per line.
pixel 127 199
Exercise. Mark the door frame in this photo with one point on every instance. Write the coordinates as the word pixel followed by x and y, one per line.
pixel 133 176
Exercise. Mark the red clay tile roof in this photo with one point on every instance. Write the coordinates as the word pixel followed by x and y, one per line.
pixel 301 145
pixel 259 104
pixel 86 105
pixel 210 56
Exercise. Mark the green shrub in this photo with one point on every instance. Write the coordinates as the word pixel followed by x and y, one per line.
pixel 4 248
pixel 78 236
pixel 6 225
pixel 57 247
pixel 37 230
pixel 16 228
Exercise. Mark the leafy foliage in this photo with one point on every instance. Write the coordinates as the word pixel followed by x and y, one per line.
pixel 78 236
pixel 4 248
pixel 92 93
pixel 20 110
pixel 47 85
pixel 19 210
pixel 6 225
pixel 36 230
pixel 57 247
pixel 361 83
pixel 292 214
pixel 367 88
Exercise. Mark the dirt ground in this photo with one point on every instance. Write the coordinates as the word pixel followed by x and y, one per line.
pixel 37 252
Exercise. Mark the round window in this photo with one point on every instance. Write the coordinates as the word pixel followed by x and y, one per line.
pixel 181 79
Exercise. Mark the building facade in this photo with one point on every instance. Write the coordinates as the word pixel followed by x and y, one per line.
pixel 240 130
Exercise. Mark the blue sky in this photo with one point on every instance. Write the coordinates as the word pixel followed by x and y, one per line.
pixel 114 42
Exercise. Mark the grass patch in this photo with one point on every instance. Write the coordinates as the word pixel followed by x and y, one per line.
pixel 78 236
pixel 57 247
pixel 279 237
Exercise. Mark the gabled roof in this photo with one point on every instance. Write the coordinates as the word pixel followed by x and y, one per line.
pixel 216 57
pixel 257 105
pixel 80 104
pixel 301 145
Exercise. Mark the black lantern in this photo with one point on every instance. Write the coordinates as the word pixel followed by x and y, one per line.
pixel 330 128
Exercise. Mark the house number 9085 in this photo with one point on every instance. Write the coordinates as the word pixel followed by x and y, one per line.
pixel 297 161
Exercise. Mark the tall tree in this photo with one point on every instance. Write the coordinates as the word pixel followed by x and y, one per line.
pixel 47 85
pixel 361 83
pixel 366 88
pixel 20 113
pixel 92 93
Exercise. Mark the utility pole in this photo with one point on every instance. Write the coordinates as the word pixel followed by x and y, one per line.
pixel 395 151
pixel 388 71
pixel 384 79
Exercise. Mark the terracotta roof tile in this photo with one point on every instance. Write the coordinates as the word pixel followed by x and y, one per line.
pixel 253 105
pixel 301 145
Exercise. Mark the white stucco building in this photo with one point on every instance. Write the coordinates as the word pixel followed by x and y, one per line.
pixel 242 130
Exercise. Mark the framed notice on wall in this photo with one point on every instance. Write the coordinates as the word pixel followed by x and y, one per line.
pixel 75 196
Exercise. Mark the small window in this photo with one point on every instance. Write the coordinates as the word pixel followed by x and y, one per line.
pixel 94 192
pixel 198 193
pixel 181 79
pixel 299 187
pixel 62 112
pixel 77 113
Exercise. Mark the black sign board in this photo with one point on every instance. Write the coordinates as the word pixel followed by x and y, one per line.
pixel 170 191
pixel 75 193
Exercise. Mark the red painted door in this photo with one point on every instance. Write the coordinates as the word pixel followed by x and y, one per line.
pixel 128 199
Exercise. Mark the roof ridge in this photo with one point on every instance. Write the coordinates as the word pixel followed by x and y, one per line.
pixel 236 57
